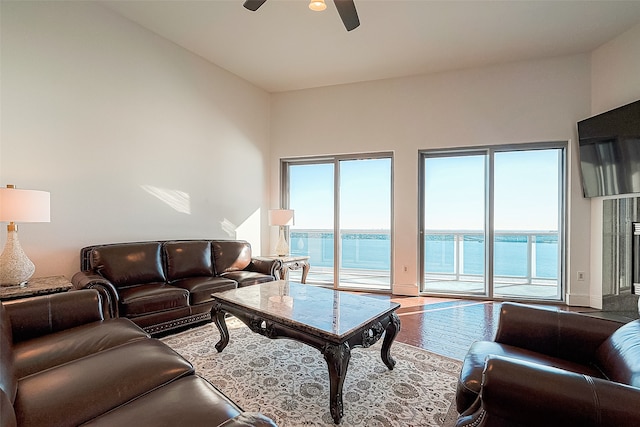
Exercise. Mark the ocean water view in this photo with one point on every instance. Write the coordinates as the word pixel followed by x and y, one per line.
pixel 526 254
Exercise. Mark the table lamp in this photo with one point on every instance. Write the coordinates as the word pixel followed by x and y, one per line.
pixel 19 206
pixel 281 218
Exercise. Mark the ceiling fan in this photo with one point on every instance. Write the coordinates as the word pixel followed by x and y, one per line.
pixel 346 9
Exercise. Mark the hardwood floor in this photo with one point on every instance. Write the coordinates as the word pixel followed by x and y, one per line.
pixel 449 326
pixel 446 327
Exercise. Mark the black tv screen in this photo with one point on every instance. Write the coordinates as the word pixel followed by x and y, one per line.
pixel 610 152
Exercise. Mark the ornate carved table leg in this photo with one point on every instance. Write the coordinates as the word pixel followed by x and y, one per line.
pixel 390 334
pixel 284 272
pixel 337 357
pixel 218 317
pixel 305 271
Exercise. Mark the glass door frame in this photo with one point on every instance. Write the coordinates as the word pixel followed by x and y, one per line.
pixel 337 249
pixel 489 232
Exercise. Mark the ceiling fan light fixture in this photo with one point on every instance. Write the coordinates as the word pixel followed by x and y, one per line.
pixel 317 5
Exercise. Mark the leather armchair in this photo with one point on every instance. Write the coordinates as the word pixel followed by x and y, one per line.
pixel 552 367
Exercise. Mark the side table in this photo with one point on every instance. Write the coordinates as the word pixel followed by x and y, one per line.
pixel 36 286
pixel 293 262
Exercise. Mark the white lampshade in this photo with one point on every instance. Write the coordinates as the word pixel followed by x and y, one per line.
pixel 24 205
pixel 281 217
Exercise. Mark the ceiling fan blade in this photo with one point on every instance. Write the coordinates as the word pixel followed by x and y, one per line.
pixel 348 13
pixel 253 5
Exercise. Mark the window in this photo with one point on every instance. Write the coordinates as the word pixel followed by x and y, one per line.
pixel 492 221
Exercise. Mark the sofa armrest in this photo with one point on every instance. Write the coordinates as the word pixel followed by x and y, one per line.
pixel 41 315
pixel 268 266
pixel 553 332
pixel 92 280
pixel 249 419
pixel 516 392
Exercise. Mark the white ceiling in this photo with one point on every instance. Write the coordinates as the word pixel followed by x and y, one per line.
pixel 285 46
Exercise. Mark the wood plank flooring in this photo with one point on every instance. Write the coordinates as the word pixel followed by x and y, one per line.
pixel 446 326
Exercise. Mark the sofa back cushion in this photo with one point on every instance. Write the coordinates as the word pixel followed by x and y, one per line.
pixel 188 259
pixel 231 255
pixel 129 264
pixel 8 380
pixel 619 356
pixel 47 314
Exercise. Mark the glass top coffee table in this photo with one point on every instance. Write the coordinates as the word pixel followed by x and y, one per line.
pixel 331 321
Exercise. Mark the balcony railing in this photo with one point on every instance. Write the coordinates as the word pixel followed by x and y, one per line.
pixel 525 263
pixel 365 261
pixel 520 257
pixel 525 255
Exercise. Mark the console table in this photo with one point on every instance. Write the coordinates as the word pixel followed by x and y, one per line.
pixel 36 286
pixel 293 262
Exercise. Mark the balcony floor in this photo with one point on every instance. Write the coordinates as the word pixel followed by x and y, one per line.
pixel 379 281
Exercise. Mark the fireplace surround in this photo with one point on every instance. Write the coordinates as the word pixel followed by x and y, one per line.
pixel 621 256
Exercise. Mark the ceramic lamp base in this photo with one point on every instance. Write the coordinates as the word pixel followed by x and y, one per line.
pixel 282 248
pixel 15 267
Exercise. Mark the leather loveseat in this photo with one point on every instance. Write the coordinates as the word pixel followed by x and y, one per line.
pixel 162 285
pixel 63 365
pixel 549 367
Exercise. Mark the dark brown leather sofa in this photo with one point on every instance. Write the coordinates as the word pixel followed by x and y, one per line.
pixel 162 285
pixel 549 367
pixel 63 365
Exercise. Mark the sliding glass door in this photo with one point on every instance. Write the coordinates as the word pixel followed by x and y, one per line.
pixel 454 212
pixel 310 195
pixel 526 222
pixel 492 221
pixel 365 223
pixel 348 197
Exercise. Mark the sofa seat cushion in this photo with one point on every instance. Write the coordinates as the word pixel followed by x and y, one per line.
pixel 50 350
pixel 470 380
pixel 76 392
pixel 201 288
pixel 190 401
pixel 247 278
pixel 151 298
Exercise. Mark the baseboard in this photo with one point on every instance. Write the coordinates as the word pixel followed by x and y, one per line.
pixel 583 300
pixel 410 289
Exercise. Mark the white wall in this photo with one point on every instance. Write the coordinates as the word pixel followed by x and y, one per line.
pixel 615 81
pixel 122 126
pixel 93 108
pixel 513 103
pixel 615 66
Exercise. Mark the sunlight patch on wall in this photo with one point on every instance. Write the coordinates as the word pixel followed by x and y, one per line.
pixel 229 228
pixel 178 200
pixel 249 230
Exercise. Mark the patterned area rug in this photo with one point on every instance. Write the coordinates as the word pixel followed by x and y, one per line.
pixel 289 382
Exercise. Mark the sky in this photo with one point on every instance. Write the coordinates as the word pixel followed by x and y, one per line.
pixel 526 192
pixel 525 197
pixel 365 198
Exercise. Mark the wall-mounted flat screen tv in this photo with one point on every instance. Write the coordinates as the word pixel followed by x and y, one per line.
pixel 610 152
